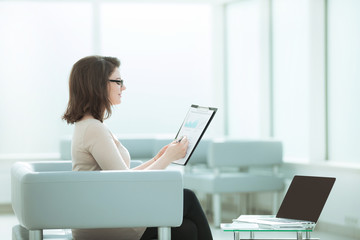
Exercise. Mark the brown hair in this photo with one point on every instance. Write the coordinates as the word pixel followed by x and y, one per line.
pixel 88 92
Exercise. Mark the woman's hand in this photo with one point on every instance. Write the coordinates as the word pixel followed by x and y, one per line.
pixel 176 150
pixel 169 153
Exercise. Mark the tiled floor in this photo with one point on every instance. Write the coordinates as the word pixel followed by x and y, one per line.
pixel 9 220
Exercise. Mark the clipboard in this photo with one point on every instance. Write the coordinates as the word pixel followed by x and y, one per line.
pixel 193 127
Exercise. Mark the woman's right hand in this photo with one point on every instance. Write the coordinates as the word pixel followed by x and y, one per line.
pixel 177 150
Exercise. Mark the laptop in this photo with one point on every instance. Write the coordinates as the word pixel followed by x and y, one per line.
pixel 301 206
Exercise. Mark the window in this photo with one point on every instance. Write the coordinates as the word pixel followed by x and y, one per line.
pixel 343 80
pixel 166 64
pixel 276 74
pixel 291 51
pixel 39 43
pixel 247 69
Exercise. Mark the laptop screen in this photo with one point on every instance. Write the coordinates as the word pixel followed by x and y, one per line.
pixel 305 198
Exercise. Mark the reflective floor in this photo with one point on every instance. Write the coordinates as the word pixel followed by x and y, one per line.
pixel 9 220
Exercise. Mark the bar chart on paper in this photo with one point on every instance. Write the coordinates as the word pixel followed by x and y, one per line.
pixel 195 123
pixel 192 124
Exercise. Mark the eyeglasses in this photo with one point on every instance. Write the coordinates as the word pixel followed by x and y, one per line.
pixel 118 82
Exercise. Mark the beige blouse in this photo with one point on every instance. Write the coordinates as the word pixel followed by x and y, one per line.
pixel 95 148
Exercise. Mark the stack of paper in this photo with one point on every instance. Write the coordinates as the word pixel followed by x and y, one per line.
pixel 239 226
pixel 270 222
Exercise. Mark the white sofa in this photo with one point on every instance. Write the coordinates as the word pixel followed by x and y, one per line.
pixel 233 167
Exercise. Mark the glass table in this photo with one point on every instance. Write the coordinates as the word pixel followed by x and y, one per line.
pixel 250 231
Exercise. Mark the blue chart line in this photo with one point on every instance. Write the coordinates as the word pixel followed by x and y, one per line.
pixel 192 124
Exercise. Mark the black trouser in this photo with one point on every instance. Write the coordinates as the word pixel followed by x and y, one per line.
pixel 194 226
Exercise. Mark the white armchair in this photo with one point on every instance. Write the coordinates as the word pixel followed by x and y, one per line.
pixel 231 162
pixel 48 195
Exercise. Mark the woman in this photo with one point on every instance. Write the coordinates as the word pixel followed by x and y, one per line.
pixel 95 86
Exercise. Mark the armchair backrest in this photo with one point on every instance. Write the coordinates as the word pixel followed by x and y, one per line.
pixel 139 147
pixel 244 153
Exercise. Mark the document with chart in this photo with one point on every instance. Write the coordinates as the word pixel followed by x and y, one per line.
pixel 194 126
